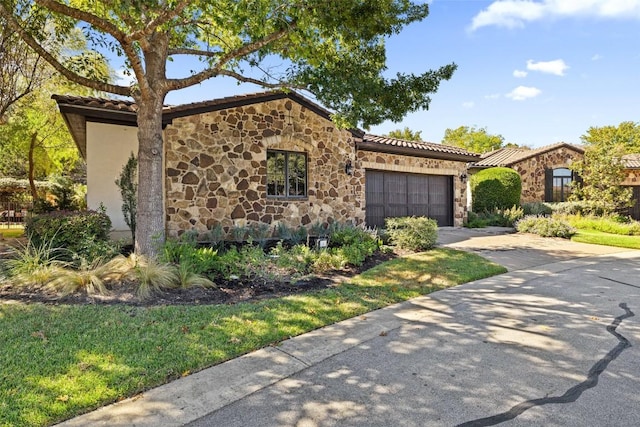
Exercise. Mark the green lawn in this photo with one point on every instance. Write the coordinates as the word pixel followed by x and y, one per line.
pixel 57 361
pixel 9 233
pixel 600 238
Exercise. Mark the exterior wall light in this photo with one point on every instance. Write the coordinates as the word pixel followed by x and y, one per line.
pixel 463 177
pixel 348 167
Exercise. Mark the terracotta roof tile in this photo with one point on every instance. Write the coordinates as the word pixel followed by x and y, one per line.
pixel 510 156
pixel 631 161
pixel 416 145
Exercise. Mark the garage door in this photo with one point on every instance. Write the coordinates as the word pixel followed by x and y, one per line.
pixel 393 194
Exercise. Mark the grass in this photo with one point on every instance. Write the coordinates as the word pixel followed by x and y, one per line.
pixel 58 361
pixel 601 238
pixel 11 233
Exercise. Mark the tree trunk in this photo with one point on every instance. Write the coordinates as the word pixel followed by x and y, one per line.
pixel 32 167
pixel 150 227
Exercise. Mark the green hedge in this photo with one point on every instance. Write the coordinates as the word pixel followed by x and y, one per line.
pixel 495 188
pixel 84 234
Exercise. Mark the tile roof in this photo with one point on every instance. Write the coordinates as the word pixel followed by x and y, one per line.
pixel 98 103
pixel 510 156
pixel 631 161
pixel 416 145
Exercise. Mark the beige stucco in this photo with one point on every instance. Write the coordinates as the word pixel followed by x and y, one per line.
pixel 108 149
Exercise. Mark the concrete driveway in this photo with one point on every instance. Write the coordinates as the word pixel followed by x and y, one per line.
pixel 554 342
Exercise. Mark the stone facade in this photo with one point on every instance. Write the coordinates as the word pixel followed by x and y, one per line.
pixel 216 168
pixel 632 178
pixel 412 164
pixel 532 170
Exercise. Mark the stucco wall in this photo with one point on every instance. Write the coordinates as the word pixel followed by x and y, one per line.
pixel 216 168
pixel 418 165
pixel 108 149
pixel 531 171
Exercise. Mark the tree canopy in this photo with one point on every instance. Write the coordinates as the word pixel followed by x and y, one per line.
pixel 334 50
pixel 476 140
pixel 406 134
pixel 602 170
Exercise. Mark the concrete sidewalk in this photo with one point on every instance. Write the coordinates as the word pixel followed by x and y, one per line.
pixel 417 360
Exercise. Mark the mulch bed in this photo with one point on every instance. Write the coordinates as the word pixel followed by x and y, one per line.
pixel 226 292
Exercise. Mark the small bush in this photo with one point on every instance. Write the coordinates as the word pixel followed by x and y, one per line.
pixel 537 208
pixel 84 234
pixel 184 252
pixel 412 233
pixel 348 234
pixel 495 188
pixel 545 227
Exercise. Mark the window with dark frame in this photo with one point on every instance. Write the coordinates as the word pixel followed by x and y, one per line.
pixel 286 174
pixel 562 178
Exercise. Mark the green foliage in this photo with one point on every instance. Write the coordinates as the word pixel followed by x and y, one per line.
pixel 238 233
pixel 259 233
pixel 34 264
pixel 606 224
pixel 602 170
pixel 537 208
pixel 185 253
pixel 472 139
pixel 215 236
pixel 412 233
pixel 406 134
pixel 498 218
pixel 545 226
pixel 495 188
pixel 127 182
pixel 83 234
pixel 347 234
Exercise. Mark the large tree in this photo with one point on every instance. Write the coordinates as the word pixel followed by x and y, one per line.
pixel 602 170
pixel 406 134
pixel 333 49
pixel 473 139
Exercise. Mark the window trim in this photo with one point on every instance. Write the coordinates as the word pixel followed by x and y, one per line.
pixel 287 196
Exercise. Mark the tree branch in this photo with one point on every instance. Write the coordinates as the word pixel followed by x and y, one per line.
pixel 176 84
pixel 29 40
pixel 198 52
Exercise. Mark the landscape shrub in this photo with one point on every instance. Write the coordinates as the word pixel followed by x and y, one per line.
pixel 348 234
pixel 545 227
pixel 497 218
pixel 185 253
pixel 537 208
pixel 495 188
pixel 412 233
pixel 83 234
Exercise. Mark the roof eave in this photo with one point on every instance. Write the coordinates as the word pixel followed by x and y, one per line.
pixel 375 147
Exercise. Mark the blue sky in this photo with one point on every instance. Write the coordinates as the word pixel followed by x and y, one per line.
pixel 535 71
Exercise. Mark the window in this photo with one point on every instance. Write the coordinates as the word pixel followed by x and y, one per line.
pixel 558 185
pixel 286 174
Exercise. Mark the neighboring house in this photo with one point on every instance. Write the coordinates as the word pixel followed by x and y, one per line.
pixel 546 174
pixel 544 171
pixel 631 164
pixel 269 157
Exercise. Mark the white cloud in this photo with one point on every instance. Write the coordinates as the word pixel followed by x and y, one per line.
pixel 468 104
pixel 596 57
pixel 557 67
pixel 517 13
pixel 523 92
pixel 492 96
pixel 519 74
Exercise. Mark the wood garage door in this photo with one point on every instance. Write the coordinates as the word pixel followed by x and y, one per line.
pixel 393 194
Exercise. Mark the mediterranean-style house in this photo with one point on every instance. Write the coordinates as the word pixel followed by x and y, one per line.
pixel 544 171
pixel 269 157
pixel 546 175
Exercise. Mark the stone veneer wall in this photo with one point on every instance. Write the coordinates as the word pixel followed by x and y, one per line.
pixel 216 168
pixel 632 178
pixel 531 171
pixel 419 165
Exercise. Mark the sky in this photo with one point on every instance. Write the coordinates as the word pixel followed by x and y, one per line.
pixel 536 72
